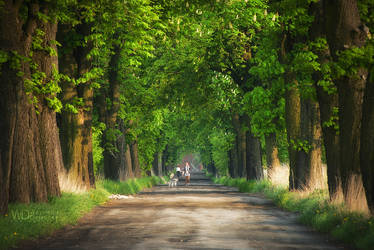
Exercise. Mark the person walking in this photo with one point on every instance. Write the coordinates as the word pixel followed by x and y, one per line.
pixel 178 170
pixel 187 173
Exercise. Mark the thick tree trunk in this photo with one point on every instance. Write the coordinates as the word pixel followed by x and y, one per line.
pixel 235 157
pixel 113 157
pixel 30 153
pixel 242 152
pixel 127 165
pixel 159 163
pixel 230 163
pixel 155 164
pixel 233 161
pixel 367 143
pixel 328 102
pixel 293 129
pixel 345 30
pixel 309 171
pixel 272 159
pixel 254 157
pixel 135 159
pixel 76 129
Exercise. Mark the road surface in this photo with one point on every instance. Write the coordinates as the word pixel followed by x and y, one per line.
pixel 200 216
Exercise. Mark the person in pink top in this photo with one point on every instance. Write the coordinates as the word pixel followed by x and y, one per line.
pixel 187 173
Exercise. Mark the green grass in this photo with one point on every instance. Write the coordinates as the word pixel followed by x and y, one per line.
pixel 315 210
pixel 25 221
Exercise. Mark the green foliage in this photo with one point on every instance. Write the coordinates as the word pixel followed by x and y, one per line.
pixel 221 142
pixel 333 122
pixel 131 186
pixel 301 145
pixel 97 150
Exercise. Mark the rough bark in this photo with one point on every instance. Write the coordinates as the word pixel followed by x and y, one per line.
pixel 159 163
pixel 230 163
pixel 254 167
pixel 112 155
pixel 331 141
pixel 292 115
pixel 292 109
pixel 272 159
pixel 327 103
pixel 254 157
pixel 127 164
pixel 242 152
pixel 236 161
pixel 344 31
pixel 76 129
pixel 155 165
pixel 233 161
pixel 367 143
pixel 29 157
pixel 309 169
pixel 135 159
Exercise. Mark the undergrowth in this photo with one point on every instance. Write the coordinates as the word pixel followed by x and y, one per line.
pixel 315 210
pixel 26 221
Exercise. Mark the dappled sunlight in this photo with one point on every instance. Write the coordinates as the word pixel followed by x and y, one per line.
pixel 279 175
pixel 70 185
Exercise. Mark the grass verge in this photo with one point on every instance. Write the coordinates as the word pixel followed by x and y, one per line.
pixel 315 210
pixel 26 221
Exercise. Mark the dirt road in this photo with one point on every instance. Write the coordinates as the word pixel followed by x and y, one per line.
pixel 199 216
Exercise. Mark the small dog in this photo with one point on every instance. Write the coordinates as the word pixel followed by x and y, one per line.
pixel 173 182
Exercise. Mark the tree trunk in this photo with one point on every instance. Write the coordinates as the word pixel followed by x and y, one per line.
pixel 76 129
pixel 155 164
pixel 293 129
pixel 272 159
pixel 165 157
pixel 328 102
pixel 345 30
pixel 135 159
pixel 127 165
pixel 233 161
pixel 30 152
pixel 159 163
pixel 242 152
pixel 309 169
pixel 254 157
pixel 367 143
pixel 235 155
pixel 113 135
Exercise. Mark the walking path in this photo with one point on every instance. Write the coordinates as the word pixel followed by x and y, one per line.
pixel 200 216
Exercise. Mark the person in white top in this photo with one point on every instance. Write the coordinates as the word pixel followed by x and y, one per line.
pixel 187 173
pixel 178 170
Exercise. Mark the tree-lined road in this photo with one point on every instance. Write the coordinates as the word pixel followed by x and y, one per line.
pixel 200 216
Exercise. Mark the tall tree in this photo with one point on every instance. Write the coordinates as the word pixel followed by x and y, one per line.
pixel 77 95
pixel 30 152
pixel 345 32
pixel 367 135
pixel 328 101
